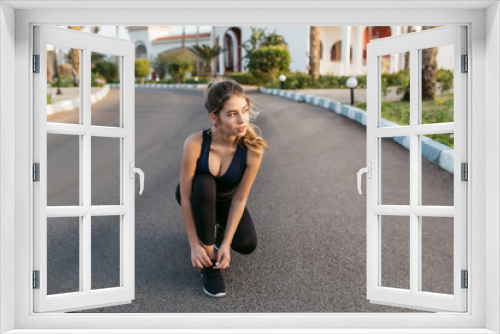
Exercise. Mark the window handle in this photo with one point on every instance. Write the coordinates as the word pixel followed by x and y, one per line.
pixel 367 170
pixel 141 175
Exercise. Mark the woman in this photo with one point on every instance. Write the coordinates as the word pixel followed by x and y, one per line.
pixel 218 169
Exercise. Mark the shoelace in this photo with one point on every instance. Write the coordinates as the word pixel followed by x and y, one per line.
pixel 210 271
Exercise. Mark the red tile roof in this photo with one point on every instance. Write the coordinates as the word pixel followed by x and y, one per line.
pixel 180 37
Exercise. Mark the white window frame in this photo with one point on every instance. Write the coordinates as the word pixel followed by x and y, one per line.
pixel 17 127
pixel 413 212
pixel 85 297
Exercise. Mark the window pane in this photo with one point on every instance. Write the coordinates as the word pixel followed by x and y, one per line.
pixel 63 84
pixel 106 171
pixel 63 255
pixel 394 85
pixel 105 100
pixel 437 254
pixel 105 252
pixel 395 251
pixel 395 170
pixel 437 182
pixel 437 84
pixel 63 170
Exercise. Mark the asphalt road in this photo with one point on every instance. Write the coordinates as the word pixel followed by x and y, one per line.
pixel 309 217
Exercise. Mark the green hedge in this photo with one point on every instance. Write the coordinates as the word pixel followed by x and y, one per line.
pixel 244 78
pixel 300 80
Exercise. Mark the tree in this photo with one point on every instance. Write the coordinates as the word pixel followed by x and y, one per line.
pixel 273 39
pixel 107 69
pixel 160 65
pixel 255 41
pixel 197 43
pixel 268 61
pixel 314 48
pixel 142 68
pixel 179 69
pixel 75 53
pixel 258 39
pixel 429 70
pixel 206 53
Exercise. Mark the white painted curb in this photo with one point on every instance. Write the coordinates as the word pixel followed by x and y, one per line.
pixel 431 149
pixel 75 103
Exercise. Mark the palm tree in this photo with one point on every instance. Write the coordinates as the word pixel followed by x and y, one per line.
pixel 206 53
pixel 314 48
pixel 183 48
pixel 406 95
pixel 273 39
pixel 197 43
pixel 58 92
pixel 75 58
pixel 429 70
pixel 253 43
pixel 256 39
pixel 215 44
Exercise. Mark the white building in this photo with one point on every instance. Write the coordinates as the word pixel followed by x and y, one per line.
pixel 335 57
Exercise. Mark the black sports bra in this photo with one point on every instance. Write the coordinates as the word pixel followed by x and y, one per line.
pixel 227 183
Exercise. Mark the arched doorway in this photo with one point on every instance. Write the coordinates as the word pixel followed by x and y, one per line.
pixel 232 55
pixel 140 50
pixel 336 52
pixel 374 33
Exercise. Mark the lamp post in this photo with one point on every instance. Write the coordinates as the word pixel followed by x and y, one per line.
pixel 282 81
pixel 352 83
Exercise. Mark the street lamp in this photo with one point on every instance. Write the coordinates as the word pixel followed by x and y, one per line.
pixel 352 83
pixel 282 80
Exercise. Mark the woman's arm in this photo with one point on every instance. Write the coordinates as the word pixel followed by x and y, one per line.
pixel 192 147
pixel 188 169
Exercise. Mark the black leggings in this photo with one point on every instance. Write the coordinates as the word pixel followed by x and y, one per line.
pixel 206 210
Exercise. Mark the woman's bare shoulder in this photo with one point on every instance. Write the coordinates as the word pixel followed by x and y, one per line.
pixel 194 140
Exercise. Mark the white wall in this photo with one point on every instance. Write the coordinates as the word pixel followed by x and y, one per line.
pixel 492 160
pixel 7 171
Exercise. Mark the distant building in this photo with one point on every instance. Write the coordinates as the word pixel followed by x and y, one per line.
pixel 335 57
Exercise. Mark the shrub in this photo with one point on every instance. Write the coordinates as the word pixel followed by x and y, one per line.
pixel 64 81
pixel 244 78
pixel 201 80
pixel 107 69
pixel 179 68
pixel 268 61
pixel 445 78
pixel 160 65
pixel 142 68
pixel 97 80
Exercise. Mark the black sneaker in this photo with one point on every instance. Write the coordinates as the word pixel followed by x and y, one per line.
pixel 218 236
pixel 213 282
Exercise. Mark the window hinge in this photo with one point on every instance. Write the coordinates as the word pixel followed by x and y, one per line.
pixel 465 279
pixel 36 172
pixel 465 171
pixel 465 64
pixel 36 63
pixel 36 279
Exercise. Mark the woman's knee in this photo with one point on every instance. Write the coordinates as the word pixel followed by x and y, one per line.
pixel 204 186
pixel 246 247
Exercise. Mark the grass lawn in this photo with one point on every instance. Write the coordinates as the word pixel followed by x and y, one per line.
pixel 439 110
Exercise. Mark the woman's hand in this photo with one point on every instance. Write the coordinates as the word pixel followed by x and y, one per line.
pixel 223 257
pixel 199 257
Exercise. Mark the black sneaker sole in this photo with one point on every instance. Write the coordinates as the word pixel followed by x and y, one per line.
pixel 217 295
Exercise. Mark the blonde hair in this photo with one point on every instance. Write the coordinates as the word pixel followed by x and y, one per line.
pixel 218 92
